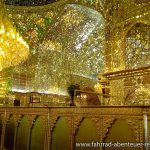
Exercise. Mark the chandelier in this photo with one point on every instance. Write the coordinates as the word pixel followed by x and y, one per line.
pixel 13 49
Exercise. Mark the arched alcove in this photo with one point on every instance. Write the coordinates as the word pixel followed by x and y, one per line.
pixel 149 129
pixel 9 134
pixel 1 125
pixel 60 136
pixel 122 133
pixel 22 134
pixel 137 48
pixel 86 134
pixel 37 135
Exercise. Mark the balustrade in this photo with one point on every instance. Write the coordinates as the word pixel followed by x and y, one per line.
pixel 38 128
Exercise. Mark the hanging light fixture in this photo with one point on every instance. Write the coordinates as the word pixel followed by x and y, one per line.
pixel 13 49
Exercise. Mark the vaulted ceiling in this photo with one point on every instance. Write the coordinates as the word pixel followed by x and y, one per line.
pixel 66 40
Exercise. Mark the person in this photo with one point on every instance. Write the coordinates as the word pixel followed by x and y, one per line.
pixel 16 102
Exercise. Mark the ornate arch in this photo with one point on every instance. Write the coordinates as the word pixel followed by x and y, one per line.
pixel 137 46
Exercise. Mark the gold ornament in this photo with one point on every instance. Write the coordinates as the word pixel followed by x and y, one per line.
pixel 13 49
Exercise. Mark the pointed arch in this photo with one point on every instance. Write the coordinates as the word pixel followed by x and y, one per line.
pixel 137 45
pixel 37 135
pixel 9 133
pixel 22 134
pixel 1 125
pixel 86 133
pixel 120 132
pixel 60 131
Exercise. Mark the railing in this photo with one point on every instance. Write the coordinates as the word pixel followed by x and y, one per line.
pixel 128 73
pixel 102 118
